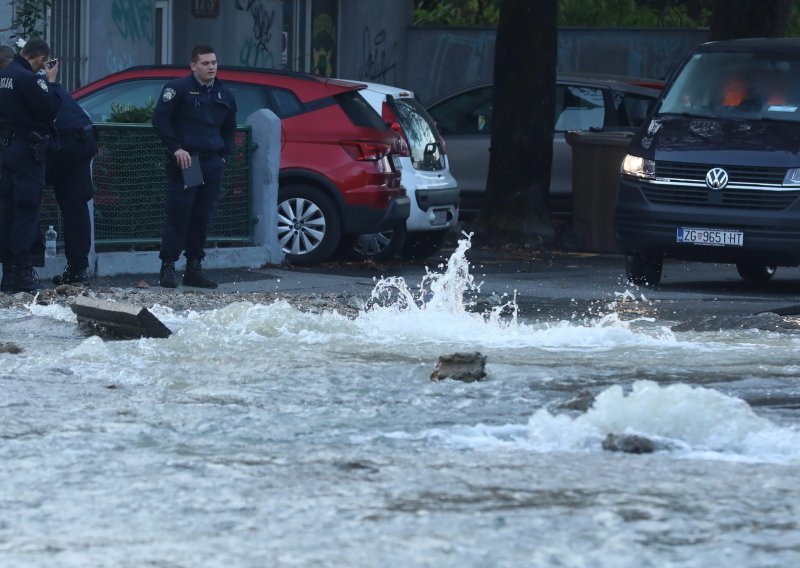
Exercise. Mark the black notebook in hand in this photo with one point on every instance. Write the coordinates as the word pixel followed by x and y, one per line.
pixel 193 175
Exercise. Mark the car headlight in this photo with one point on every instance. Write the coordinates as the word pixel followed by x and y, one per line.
pixel 792 177
pixel 638 167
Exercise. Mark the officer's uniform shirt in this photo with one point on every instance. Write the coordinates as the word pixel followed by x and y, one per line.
pixel 196 118
pixel 27 103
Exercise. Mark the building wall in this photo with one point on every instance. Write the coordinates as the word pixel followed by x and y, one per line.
pixel 121 34
pixel 366 40
pixel 244 32
pixel 5 22
pixel 374 40
pixel 441 59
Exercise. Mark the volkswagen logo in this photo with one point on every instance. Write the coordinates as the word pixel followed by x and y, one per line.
pixel 717 178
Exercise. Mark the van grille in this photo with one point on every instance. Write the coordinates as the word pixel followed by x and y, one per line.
pixel 684 184
pixel 732 198
pixel 736 174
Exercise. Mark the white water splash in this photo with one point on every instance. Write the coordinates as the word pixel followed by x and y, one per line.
pixel 691 422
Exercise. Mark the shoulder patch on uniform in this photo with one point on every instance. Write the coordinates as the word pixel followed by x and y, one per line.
pixel 168 95
pixel 43 85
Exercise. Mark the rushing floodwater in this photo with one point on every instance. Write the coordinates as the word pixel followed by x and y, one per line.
pixel 259 435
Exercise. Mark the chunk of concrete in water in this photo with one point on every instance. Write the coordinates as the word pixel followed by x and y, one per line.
pixel 466 367
pixel 583 401
pixel 629 444
pixel 8 347
pixel 118 319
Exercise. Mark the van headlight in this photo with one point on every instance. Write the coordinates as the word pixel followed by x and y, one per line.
pixel 792 177
pixel 638 167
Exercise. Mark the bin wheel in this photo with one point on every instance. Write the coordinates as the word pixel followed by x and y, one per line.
pixel 644 268
pixel 573 240
pixel 756 272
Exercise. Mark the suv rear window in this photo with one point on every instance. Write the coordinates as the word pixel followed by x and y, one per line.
pixel 420 134
pixel 359 110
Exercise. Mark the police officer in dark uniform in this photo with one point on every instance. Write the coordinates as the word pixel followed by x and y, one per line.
pixel 27 111
pixel 70 174
pixel 196 119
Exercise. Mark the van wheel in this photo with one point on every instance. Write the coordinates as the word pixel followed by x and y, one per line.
pixel 420 245
pixel 380 246
pixel 309 226
pixel 755 272
pixel 644 268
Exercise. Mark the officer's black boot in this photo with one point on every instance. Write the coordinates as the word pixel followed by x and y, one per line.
pixel 72 276
pixel 7 284
pixel 194 275
pixel 167 278
pixel 24 279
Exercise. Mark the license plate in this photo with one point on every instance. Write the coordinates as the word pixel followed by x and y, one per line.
pixel 439 217
pixel 710 237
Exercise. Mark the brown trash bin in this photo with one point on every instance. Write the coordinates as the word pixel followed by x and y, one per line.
pixel 596 160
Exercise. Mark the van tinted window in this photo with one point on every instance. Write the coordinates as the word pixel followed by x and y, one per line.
pixel 738 85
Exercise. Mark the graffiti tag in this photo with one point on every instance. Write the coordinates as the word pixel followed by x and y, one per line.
pixel 133 19
pixel 262 21
pixel 378 58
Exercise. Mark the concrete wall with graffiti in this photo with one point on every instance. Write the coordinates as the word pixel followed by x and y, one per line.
pixel 242 32
pixel 442 59
pixel 6 14
pixel 374 41
pixel 121 34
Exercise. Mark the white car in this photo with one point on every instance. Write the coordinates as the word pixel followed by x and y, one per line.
pixel 425 173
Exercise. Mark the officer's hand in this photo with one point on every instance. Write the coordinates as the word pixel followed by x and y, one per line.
pixel 52 71
pixel 184 158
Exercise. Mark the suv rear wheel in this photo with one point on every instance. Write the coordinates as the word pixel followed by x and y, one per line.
pixel 309 225
pixel 755 272
pixel 644 268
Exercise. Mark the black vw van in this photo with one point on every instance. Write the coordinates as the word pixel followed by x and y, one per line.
pixel 715 173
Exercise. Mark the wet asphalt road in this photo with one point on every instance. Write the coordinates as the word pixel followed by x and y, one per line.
pixel 554 285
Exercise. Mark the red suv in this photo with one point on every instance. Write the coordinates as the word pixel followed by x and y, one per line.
pixel 337 176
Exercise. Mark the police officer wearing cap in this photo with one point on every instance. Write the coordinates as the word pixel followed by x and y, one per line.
pixel 196 119
pixel 27 111
pixel 70 174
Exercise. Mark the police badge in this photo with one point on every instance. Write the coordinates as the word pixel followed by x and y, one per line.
pixel 42 84
pixel 168 95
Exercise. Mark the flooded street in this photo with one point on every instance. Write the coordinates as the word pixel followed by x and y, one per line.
pixel 262 435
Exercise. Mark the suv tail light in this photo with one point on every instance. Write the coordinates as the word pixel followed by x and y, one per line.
pixel 361 150
pixel 390 118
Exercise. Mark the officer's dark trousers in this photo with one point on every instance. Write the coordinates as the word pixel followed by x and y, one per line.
pixel 69 172
pixel 21 188
pixel 189 212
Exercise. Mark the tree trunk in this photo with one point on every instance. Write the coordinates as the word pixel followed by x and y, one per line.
pixel 732 19
pixel 522 121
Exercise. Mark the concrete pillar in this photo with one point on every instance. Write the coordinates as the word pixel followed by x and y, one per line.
pixel 265 169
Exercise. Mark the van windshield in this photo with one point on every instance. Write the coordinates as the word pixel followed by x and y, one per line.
pixel 737 85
